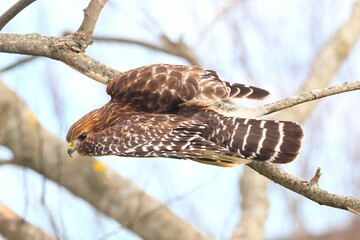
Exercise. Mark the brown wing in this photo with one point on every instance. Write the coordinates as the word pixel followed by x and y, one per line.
pixel 157 136
pixel 162 87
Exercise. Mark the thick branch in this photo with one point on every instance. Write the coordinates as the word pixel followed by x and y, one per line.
pixel 65 49
pixel 13 226
pixel 13 11
pixel 36 148
pixel 302 187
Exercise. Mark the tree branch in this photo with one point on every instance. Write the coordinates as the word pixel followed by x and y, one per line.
pixel 315 180
pixel 305 189
pixel 6 17
pixel 332 55
pixel 254 206
pixel 307 97
pixel 65 49
pixel 223 11
pixel 6 162
pixel 13 226
pixel 328 62
pixel 17 63
pixel 68 49
pixel 179 48
pixel 91 15
pixel 85 177
pixel 238 111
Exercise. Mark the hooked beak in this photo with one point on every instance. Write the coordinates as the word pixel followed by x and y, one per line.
pixel 71 148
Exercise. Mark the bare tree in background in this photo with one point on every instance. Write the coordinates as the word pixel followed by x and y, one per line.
pixel 34 147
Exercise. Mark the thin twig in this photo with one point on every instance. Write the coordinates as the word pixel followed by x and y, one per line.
pixel 314 182
pixel 308 96
pixel 133 41
pixel 13 11
pixel 226 8
pixel 327 62
pixel 17 63
pixel 179 48
pixel 238 111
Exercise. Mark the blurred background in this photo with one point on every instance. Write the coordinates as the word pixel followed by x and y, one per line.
pixel 271 44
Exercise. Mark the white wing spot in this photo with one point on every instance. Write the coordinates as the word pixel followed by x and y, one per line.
pixel 263 136
pixel 246 136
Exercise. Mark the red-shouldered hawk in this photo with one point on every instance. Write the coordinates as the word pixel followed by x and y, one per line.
pixel 165 110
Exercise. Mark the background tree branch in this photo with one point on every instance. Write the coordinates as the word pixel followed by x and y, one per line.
pixel 328 61
pixel 12 226
pixel 180 48
pixel 13 11
pixel 17 63
pixel 254 205
pixel 85 177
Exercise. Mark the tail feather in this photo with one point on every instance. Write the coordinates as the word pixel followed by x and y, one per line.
pixel 246 91
pixel 266 140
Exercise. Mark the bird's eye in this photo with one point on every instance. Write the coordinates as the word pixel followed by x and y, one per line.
pixel 82 137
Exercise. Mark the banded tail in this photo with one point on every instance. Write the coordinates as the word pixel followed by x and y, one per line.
pixel 266 140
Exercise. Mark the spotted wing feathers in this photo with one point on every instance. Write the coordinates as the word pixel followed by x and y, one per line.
pixel 162 87
pixel 158 136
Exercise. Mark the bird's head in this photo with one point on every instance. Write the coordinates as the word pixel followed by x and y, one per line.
pixel 82 129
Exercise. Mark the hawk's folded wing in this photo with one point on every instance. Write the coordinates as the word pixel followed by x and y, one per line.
pixel 162 87
pixel 158 136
